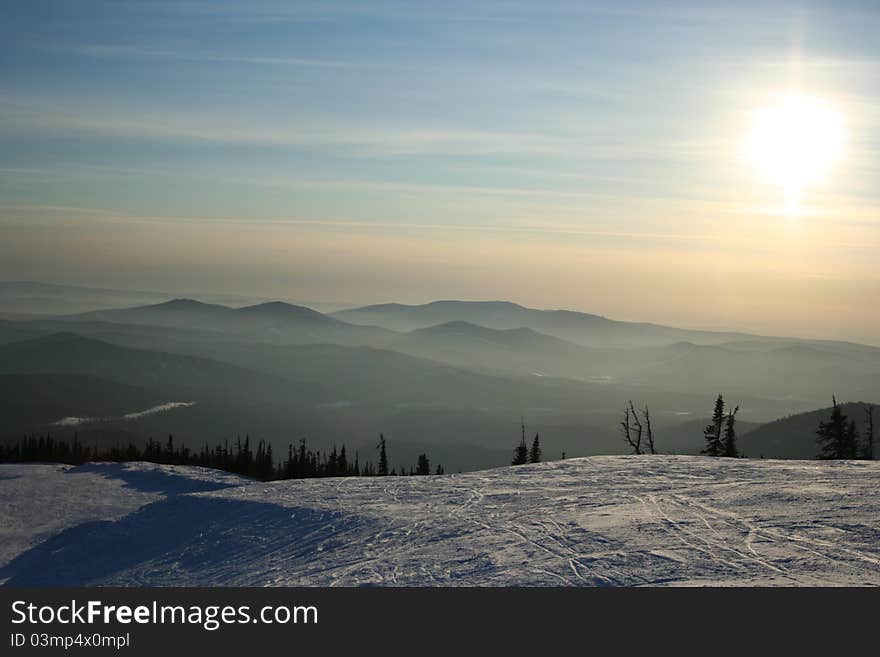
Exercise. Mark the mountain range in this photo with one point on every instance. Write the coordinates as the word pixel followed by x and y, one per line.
pixel 452 377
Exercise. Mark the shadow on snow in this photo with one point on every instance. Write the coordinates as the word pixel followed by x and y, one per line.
pixel 187 540
pixel 155 480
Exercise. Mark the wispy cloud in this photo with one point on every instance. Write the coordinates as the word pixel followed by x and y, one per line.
pixel 95 118
pixel 191 55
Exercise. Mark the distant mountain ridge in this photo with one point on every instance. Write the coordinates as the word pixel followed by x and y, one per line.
pixel 69 353
pixel 282 310
pixel 580 328
pixel 273 321
pixel 515 350
pixel 512 337
pixel 500 337
pixel 35 298
pixel 28 401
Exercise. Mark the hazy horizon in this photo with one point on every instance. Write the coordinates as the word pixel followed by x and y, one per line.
pixel 237 300
pixel 591 157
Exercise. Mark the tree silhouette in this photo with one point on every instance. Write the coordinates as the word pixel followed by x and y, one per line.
pixel 837 438
pixel 383 457
pixel 631 428
pixel 869 432
pixel 712 433
pixel 650 431
pixel 535 451
pixel 728 442
pixel 521 453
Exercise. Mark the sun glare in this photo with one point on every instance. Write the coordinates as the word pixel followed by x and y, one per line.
pixel 794 143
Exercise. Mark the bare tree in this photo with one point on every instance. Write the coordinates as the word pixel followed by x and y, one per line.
pixel 625 429
pixel 650 432
pixel 631 428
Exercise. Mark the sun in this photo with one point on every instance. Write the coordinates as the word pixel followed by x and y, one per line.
pixel 794 143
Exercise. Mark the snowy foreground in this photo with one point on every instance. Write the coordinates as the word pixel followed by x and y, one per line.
pixel 650 520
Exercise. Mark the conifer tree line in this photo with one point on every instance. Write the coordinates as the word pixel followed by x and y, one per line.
pixel 241 458
pixel 838 437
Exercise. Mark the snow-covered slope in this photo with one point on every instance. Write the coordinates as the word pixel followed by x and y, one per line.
pixel 613 520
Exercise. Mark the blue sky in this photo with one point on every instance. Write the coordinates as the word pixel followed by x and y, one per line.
pixel 584 155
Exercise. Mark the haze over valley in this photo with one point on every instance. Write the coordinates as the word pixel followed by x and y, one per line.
pixel 453 379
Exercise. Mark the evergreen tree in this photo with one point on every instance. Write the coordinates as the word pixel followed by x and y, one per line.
pixel 712 433
pixel 329 462
pixel 728 442
pixel 837 439
pixel 289 466
pixel 521 453
pixel 383 457
pixel 868 452
pixel 424 466
pixel 342 463
pixel 851 441
pixel 302 462
pixel 535 452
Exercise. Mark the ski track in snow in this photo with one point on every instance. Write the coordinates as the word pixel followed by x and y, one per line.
pixel 599 521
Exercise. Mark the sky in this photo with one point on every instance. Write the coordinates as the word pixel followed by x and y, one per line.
pixel 585 155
